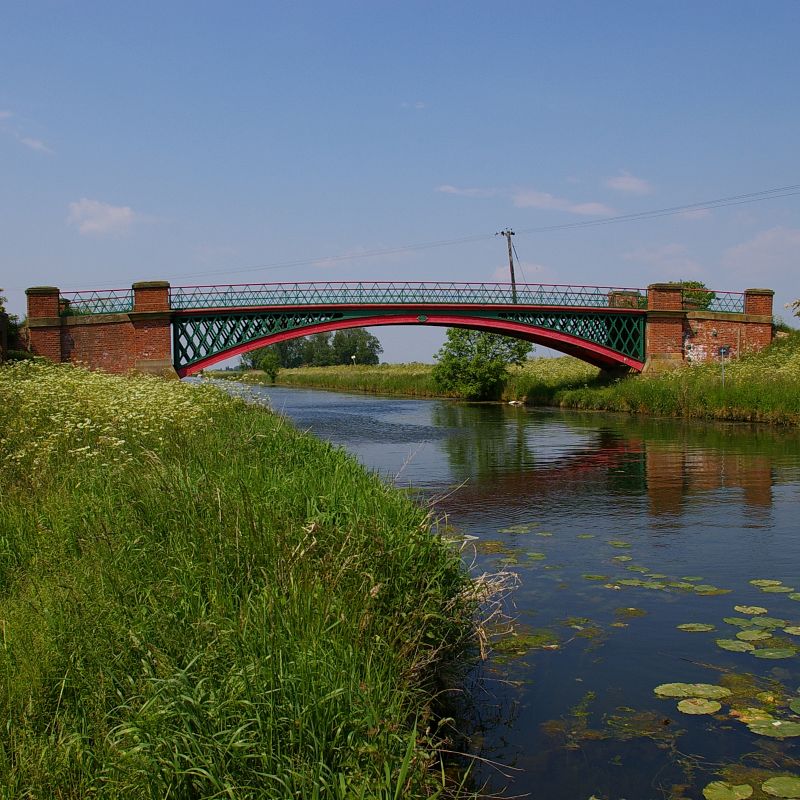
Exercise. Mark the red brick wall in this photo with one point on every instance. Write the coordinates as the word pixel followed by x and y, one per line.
pixel 42 302
pixel 664 297
pixel 758 301
pixel 151 296
pixel 664 334
pixel 152 339
pixel 703 338
pixel 109 346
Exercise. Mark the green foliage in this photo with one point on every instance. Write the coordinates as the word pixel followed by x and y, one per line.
pixel 695 294
pixel 319 350
pixel 474 365
pixel 356 342
pixel 200 601
pixel 270 364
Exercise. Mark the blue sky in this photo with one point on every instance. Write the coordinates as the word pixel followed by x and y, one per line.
pixel 195 142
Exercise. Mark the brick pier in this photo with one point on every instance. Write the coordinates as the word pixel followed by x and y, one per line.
pixel 136 341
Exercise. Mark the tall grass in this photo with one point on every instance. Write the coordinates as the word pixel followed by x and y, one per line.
pixel 762 387
pixel 412 380
pixel 198 601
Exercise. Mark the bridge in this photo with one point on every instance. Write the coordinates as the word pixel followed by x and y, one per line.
pixel 155 327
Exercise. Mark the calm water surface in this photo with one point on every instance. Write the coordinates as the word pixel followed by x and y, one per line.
pixel 619 530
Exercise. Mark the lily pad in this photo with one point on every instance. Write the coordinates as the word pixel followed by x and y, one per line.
pixel 769 622
pixel 794 596
pixel 774 652
pixel 619 543
pixel 629 612
pixel 707 691
pixel 750 610
pixel 707 588
pixel 692 578
pixel 753 636
pixel 795 706
pixel 735 646
pixel 586 536
pixel 778 589
pixel 522 528
pixel 793 629
pixel 782 786
pixel 748 715
pixel 775 728
pixel 698 705
pixel 695 627
pixel 622 558
pixel 536 556
pixel 760 583
pixel 739 622
pixel 720 790
pixel 595 577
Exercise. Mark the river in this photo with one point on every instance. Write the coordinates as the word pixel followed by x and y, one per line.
pixel 619 530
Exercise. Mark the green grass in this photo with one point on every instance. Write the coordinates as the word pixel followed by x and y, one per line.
pixel 412 380
pixel 763 387
pixel 196 600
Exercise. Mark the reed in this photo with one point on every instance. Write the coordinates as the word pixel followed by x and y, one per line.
pixel 199 601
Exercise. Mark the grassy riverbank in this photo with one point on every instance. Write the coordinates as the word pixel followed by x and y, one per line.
pixel 764 387
pixel 197 600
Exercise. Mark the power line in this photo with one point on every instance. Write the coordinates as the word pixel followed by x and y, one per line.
pixel 720 202
pixel 706 205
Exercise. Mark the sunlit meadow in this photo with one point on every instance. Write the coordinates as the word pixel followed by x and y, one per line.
pixel 199 601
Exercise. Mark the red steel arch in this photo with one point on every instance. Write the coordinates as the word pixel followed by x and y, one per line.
pixel 595 354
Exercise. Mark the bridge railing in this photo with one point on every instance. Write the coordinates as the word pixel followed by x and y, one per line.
pixel 102 301
pixel 362 293
pixel 702 299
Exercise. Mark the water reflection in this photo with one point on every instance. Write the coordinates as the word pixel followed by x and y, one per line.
pixel 620 530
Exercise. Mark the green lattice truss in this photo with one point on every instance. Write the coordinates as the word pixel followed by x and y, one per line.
pixel 199 337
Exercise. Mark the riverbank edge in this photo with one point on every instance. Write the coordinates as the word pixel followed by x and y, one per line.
pixel 762 387
pixel 363 615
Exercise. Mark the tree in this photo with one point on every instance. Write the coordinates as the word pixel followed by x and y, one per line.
pixel 356 342
pixel 695 294
pixel 318 350
pixel 474 364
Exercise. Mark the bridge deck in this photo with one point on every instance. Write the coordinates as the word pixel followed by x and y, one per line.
pixel 184 298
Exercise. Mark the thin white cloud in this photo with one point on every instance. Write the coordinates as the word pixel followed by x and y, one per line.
pixel 92 217
pixel 6 114
pixel 668 262
pixel 35 144
pixel 530 198
pixel 775 251
pixel 524 272
pixel 417 105
pixel 625 182
pixel 467 192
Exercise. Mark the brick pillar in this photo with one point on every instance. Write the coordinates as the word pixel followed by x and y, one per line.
pixel 620 298
pixel 757 328
pixel 664 337
pixel 151 321
pixel 44 322
pixel 758 301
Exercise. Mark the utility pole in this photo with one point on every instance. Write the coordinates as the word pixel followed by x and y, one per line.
pixel 508 233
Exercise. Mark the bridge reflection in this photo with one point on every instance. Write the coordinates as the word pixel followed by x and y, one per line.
pixel 662 466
